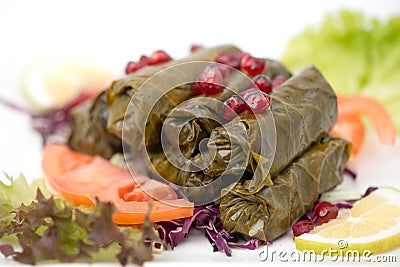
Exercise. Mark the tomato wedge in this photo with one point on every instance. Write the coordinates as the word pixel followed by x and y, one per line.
pixel 351 112
pixel 81 179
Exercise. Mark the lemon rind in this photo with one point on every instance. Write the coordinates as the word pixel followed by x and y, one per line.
pixel 375 247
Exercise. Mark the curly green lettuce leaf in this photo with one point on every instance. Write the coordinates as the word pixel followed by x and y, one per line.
pixel 49 229
pixel 357 54
pixel 17 191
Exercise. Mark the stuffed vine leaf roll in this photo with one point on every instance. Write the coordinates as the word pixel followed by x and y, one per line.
pixel 89 132
pixel 122 90
pixel 97 128
pixel 304 109
pixel 270 212
pixel 194 119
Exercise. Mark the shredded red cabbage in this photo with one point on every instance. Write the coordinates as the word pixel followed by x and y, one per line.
pixel 309 215
pixel 53 122
pixel 344 204
pixel 369 191
pixel 205 218
pixel 350 172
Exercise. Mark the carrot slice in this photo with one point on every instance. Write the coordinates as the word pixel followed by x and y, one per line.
pixel 364 107
pixel 351 129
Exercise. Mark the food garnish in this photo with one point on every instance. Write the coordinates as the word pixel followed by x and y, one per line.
pixel 156 58
pixel 55 84
pixel 205 218
pixel 373 223
pixel 263 82
pixel 256 101
pixel 49 229
pixel 15 192
pixel 81 179
pixel 232 60
pixel 352 111
pixel 209 82
pixel 252 65
pixel 357 53
pixel 195 48
pixel 233 106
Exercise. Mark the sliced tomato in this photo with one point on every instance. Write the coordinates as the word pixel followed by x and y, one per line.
pixel 81 179
pixel 365 107
pixel 62 159
pixel 164 210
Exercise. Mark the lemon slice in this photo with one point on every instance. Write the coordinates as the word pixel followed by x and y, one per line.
pixel 52 84
pixel 372 224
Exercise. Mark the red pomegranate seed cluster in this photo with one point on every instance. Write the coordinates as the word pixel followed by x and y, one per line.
pixel 254 100
pixel 302 227
pixel 210 81
pixel 232 106
pixel 232 60
pixel 263 82
pixel 252 65
pixel 323 212
pixel 157 57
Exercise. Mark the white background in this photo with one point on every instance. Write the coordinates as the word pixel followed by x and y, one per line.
pixel 111 33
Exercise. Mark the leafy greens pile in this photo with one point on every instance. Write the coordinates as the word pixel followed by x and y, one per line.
pixel 357 54
pixel 49 229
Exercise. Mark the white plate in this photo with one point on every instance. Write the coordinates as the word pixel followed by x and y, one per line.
pixel 113 32
pixel 376 165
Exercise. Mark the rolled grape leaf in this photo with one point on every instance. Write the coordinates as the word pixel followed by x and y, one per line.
pixel 270 212
pixel 89 132
pixel 193 120
pixel 275 68
pixel 196 118
pixel 304 109
pixel 97 127
pixel 121 91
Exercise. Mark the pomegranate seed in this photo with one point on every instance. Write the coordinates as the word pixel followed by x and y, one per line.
pixel 242 54
pixel 232 60
pixel 256 100
pixel 252 65
pixel 132 67
pixel 209 82
pixel 324 212
pixel 197 88
pixel 195 48
pixel 158 57
pixel 263 82
pixel 232 107
pixel 369 191
pixel 144 60
pixel 302 227
pixel 224 69
pixel 277 81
